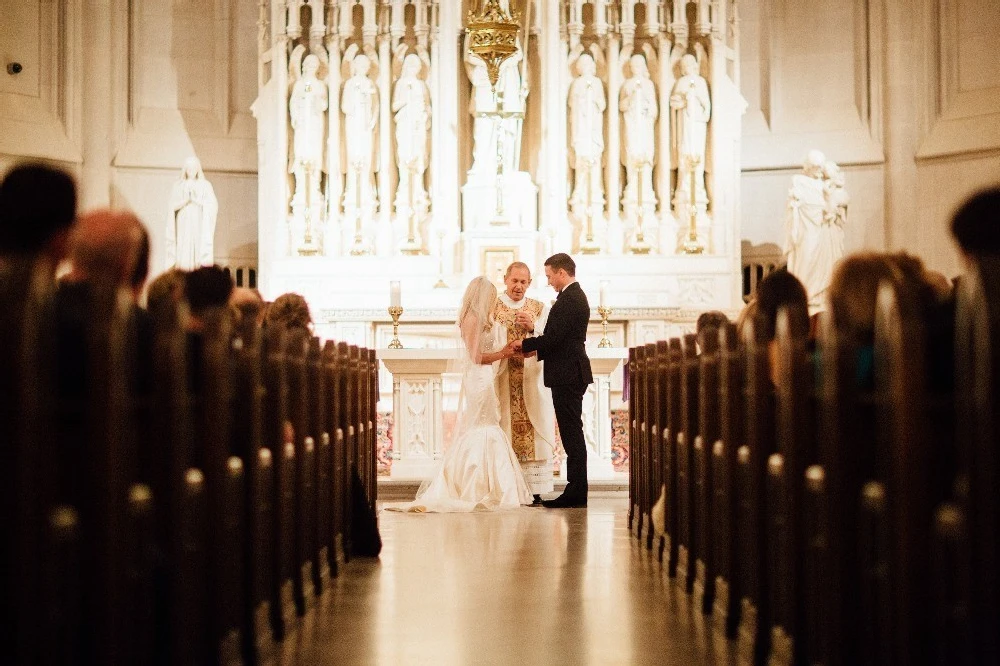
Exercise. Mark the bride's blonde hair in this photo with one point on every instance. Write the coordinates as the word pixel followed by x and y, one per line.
pixel 478 301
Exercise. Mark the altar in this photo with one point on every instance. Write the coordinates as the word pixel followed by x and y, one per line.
pixel 418 407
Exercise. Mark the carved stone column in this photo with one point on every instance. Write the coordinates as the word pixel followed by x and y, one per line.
pixel 444 125
pixel 332 244
pixel 616 238
pixel 383 235
pixel 555 222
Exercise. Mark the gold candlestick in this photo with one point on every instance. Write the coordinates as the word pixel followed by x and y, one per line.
pixel 691 245
pixel 360 247
pixel 639 244
pixel 605 312
pixel 589 245
pixel 395 311
pixel 411 246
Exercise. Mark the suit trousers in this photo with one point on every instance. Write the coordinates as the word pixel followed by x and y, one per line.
pixel 568 403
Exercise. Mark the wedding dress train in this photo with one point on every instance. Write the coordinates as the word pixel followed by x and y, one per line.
pixel 479 471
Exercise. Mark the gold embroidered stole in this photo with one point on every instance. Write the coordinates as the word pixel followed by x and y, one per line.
pixel 522 433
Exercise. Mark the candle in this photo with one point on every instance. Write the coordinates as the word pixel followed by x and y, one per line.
pixel 604 293
pixel 394 296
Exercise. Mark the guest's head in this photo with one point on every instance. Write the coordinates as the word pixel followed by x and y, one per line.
pixel 206 288
pixel 37 210
pixel 710 319
pixel 166 290
pixel 478 301
pixel 106 245
pixel 517 279
pixel 853 293
pixel 560 269
pixel 290 312
pixel 976 225
pixel 781 290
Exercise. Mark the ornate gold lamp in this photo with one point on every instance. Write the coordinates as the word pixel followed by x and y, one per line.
pixel 493 35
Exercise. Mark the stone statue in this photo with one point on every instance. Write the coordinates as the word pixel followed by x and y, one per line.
pixel 359 102
pixel 307 107
pixel 489 129
pixel 814 225
pixel 639 109
pixel 190 238
pixel 692 108
pixel 587 103
pixel 411 104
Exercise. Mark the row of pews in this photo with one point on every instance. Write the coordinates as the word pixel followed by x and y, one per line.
pixel 188 498
pixel 819 518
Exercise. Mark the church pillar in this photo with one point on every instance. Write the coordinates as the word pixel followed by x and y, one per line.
pixel 664 158
pixel 279 74
pixel 334 178
pixel 613 155
pixel 444 158
pixel 554 222
pixel 95 177
pixel 383 237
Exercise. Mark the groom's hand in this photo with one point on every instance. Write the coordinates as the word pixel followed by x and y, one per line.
pixel 515 346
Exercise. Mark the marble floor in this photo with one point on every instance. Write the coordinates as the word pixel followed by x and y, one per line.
pixel 531 586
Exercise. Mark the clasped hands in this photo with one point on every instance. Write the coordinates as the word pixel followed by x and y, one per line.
pixel 513 348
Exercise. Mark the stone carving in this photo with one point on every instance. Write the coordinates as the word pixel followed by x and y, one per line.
pixel 497 118
pixel 587 102
pixel 814 225
pixel 359 103
pixel 411 104
pixel 190 237
pixel 691 109
pixel 639 109
pixel 307 107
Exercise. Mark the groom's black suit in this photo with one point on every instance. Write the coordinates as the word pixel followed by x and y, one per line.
pixel 567 372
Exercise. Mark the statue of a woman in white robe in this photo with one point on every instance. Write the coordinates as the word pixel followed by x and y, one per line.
pixel 190 237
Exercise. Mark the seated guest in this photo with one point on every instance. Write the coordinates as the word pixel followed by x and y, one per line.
pixel 976 225
pixel 207 288
pixel 709 323
pixel 780 290
pixel 166 290
pixel 291 312
pixel 37 210
pixel 247 308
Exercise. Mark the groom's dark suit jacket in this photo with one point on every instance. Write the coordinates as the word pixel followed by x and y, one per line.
pixel 562 346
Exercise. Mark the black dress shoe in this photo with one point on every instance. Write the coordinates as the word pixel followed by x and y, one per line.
pixel 537 501
pixel 563 502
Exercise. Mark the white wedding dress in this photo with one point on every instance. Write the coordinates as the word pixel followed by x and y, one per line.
pixel 479 471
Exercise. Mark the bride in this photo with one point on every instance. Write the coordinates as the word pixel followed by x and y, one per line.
pixel 480 471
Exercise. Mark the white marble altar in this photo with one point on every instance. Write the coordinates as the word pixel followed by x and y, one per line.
pixel 418 397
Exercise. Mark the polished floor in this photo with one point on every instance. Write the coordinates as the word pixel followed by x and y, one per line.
pixel 530 586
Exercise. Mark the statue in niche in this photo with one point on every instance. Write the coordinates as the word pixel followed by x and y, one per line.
pixel 814 225
pixel 497 117
pixel 411 104
pixel 691 107
pixel 190 238
pixel 587 103
pixel 639 109
pixel 307 107
pixel 359 102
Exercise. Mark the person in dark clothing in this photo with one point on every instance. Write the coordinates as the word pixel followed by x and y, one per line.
pixel 562 349
pixel 37 210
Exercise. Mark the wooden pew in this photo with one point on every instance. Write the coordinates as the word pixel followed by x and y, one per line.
pixel 729 585
pixel 672 457
pixel 708 436
pixel 638 445
pixel 687 491
pixel 659 437
pixel 758 432
pixel 319 405
pixel 633 467
pixel 303 494
pixel 652 438
pixel 977 396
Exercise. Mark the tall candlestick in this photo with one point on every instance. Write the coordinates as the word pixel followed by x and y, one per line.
pixel 395 298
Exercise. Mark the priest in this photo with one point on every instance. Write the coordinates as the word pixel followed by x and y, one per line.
pixel 526 412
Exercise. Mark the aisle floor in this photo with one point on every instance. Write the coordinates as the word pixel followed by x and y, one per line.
pixel 531 586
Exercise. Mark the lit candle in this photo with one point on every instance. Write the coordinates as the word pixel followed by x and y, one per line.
pixel 394 296
pixel 604 293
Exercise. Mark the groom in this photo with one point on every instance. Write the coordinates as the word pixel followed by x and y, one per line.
pixel 566 371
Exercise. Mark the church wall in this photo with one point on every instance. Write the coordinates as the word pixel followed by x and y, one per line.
pixel 904 94
pixel 122 93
